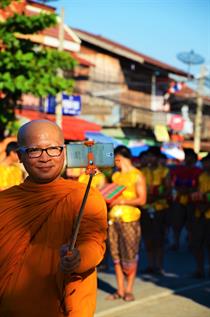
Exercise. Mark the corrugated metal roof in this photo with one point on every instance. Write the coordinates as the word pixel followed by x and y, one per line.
pixel 187 92
pixel 122 50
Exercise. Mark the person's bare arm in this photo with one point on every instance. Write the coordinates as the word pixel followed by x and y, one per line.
pixel 140 197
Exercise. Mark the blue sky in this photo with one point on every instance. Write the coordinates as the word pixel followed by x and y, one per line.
pixel 158 28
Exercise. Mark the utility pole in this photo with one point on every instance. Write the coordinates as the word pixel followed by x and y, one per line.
pixel 153 92
pixel 58 108
pixel 199 111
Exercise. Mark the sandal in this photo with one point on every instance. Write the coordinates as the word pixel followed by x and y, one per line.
pixel 114 296
pixel 129 297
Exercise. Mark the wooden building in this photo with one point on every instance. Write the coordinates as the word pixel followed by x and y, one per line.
pixel 123 88
pixel 119 87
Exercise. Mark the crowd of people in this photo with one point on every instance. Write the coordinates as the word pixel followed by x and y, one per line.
pixel 157 197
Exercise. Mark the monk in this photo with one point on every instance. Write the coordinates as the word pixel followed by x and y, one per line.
pixel 38 277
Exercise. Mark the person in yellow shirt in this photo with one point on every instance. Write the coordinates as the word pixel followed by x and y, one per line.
pixel 98 180
pixel 200 234
pixel 124 225
pixel 184 182
pixel 3 145
pixel 11 172
pixel 155 211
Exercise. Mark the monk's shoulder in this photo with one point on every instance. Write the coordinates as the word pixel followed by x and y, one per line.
pixel 9 192
pixel 9 199
pixel 74 186
pixel 77 191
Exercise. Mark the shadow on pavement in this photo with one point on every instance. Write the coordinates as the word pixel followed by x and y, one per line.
pixel 177 276
pixel 105 286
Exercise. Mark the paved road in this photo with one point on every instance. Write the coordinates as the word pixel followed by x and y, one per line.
pixel 176 294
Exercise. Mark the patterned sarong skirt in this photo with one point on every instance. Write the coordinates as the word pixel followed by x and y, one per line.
pixel 124 239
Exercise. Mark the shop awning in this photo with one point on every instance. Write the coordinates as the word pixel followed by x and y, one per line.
pixel 137 150
pixel 114 132
pixel 74 128
pixel 117 134
pixel 102 138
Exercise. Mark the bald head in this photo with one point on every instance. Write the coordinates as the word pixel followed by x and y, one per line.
pixel 38 128
pixel 38 137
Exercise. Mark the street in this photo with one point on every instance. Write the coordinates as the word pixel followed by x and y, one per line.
pixel 176 294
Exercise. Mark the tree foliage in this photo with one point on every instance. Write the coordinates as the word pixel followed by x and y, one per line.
pixel 26 67
pixel 5 3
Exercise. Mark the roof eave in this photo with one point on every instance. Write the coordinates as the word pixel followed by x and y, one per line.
pixel 114 49
pixel 120 50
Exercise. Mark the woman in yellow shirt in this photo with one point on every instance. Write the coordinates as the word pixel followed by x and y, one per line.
pixel 98 180
pixel 124 225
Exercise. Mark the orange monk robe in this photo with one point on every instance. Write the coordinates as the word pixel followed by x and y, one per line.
pixel 35 220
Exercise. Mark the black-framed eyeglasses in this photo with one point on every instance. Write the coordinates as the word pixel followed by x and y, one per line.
pixel 52 151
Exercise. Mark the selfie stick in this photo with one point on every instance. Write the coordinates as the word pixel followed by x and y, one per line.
pixel 90 170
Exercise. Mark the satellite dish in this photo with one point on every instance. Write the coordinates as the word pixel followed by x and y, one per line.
pixel 190 58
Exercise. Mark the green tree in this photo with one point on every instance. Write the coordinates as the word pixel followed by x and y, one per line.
pixel 26 67
pixel 5 3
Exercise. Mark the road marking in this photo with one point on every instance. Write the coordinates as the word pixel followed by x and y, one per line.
pixel 109 311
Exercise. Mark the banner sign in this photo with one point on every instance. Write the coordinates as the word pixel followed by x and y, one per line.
pixel 176 122
pixel 71 105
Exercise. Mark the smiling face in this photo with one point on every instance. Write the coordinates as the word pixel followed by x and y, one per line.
pixel 41 134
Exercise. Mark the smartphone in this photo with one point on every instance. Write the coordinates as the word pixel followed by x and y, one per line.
pixel 77 154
